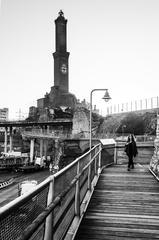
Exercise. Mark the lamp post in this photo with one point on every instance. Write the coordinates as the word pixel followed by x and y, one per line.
pixel 106 98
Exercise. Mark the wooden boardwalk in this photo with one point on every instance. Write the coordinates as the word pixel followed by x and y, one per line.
pixel 124 205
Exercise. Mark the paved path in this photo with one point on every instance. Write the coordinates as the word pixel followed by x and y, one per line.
pixel 124 205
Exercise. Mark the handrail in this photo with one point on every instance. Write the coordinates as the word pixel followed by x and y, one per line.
pixel 34 226
pixel 6 209
pixel 68 191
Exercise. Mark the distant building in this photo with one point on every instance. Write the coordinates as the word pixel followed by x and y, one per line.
pixel 4 114
pixel 84 104
pixel 3 117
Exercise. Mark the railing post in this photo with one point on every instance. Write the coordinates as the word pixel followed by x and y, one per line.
pixel 49 220
pixel 95 163
pixel 99 160
pixel 115 153
pixel 89 172
pixel 77 195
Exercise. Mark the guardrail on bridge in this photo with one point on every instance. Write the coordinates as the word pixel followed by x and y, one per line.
pixel 54 209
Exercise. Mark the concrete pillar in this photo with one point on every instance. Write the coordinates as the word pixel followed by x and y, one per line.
pixel 58 151
pixel 10 139
pixel 45 147
pixel 41 143
pixel 5 140
pixel 48 129
pixel 41 147
pixel 31 150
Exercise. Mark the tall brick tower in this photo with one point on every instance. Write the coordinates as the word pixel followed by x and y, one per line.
pixel 61 55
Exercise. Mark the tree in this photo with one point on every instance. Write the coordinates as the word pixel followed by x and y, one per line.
pixel 133 124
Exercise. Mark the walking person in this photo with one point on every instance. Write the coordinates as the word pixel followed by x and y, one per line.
pixel 131 150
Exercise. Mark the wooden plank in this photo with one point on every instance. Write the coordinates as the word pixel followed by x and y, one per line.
pixel 124 205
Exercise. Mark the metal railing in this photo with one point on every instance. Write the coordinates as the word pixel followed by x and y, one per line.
pixel 55 207
pixel 46 134
pixel 137 105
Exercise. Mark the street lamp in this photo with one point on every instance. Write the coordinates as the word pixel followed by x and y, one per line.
pixel 106 98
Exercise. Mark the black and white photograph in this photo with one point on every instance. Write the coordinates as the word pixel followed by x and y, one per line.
pixel 79 119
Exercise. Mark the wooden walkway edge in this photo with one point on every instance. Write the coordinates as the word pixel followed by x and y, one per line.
pixel 124 205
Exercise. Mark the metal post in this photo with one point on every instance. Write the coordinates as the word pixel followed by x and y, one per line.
pixel 99 160
pixel 49 219
pixel 115 153
pixel 95 163
pixel 146 103
pixel 31 149
pixel 114 108
pixel 122 106
pixel 5 140
pixel 89 178
pixel 10 139
pixel 135 105
pixel 107 98
pixel 141 104
pixel 151 103
pixel 90 122
pixel 157 102
pixel 126 107
pixel 77 195
pixel 41 144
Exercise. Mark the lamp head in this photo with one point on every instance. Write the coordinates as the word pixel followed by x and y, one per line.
pixel 106 96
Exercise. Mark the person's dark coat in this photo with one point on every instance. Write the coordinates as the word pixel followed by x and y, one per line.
pixel 131 149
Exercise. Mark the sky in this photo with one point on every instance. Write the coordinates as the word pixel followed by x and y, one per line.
pixel 113 44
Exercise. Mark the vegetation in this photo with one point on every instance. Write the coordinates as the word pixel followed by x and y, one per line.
pixel 137 123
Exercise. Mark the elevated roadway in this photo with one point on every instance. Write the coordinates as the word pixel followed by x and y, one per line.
pixel 54 122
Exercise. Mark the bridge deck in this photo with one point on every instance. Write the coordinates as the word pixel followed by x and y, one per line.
pixel 124 205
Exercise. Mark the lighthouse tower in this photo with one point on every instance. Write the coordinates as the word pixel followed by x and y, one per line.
pixel 61 55
pixel 59 95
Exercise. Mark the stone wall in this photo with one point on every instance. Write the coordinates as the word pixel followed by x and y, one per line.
pixel 80 123
pixel 154 163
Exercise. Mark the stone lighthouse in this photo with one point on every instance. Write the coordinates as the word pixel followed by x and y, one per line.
pixel 61 55
pixel 59 95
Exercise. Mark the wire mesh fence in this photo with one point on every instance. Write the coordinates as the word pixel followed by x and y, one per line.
pixel 14 222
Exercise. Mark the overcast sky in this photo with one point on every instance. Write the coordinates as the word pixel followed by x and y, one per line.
pixel 113 44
